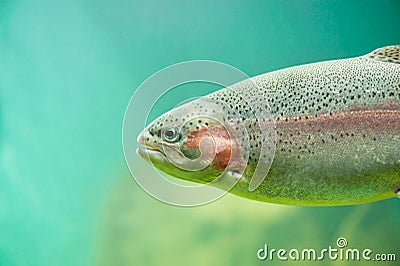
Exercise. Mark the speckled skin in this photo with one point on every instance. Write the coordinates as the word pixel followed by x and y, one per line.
pixel 337 132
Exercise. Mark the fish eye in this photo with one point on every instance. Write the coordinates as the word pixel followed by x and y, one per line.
pixel 170 134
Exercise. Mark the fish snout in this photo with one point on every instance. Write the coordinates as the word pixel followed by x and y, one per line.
pixel 141 138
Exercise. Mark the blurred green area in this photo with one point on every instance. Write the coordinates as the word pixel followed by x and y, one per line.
pixel 139 230
pixel 67 72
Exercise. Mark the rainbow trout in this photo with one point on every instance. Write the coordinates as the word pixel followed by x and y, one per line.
pixel 320 134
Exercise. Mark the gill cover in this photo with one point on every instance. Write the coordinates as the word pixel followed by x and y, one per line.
pixel 243 116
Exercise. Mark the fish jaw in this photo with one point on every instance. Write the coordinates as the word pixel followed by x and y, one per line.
pixel 148 150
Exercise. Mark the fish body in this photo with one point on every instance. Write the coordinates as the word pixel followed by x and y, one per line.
pixel 336 133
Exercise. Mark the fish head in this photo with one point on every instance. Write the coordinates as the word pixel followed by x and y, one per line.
pixel 193 142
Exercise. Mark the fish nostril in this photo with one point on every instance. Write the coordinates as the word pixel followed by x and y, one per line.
pixel 151 131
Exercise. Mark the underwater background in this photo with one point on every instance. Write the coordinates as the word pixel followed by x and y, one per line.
pixel 67 72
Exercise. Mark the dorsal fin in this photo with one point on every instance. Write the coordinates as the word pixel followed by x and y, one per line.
pixel 386 54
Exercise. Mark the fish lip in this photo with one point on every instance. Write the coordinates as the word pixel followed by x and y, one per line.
pixel 149 154
pixel 145 152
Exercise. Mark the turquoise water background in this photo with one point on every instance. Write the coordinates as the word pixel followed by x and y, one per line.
pixel 67 72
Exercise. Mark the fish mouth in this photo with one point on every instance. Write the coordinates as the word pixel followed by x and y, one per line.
pixel 147 153
pixel 147 150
